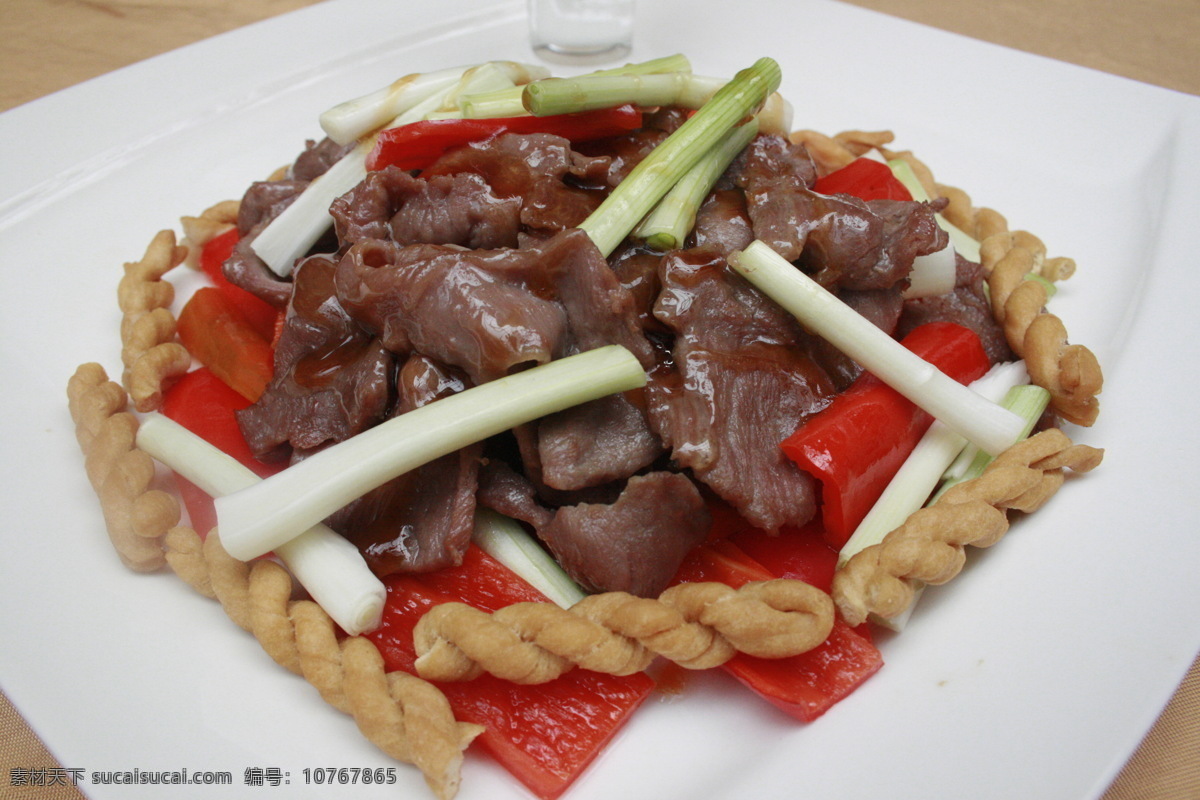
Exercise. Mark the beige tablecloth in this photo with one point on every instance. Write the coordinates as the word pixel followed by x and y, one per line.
pixel 47 45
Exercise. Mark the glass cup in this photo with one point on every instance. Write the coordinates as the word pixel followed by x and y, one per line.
pixel 581 31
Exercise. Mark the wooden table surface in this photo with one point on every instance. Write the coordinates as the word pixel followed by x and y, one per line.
pixel 48 45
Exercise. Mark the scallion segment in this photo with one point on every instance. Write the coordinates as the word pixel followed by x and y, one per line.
pixel 505 540
pixel 508 103
pixel 914 483
pixel 353 119
pixel 981 421
pixel 327 565
pixel 732 105
pixel 259 519
pixel 667 226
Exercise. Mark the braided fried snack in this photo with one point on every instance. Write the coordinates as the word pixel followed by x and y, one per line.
pixel 695 625
pixel 930 546
pixel 406 717
pixel 151 356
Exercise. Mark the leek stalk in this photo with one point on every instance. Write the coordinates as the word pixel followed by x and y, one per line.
pixel 732 105
pixel 327 565
pixel 509 543
pixel 507 102
pixel 262 517
pixel 668 225
pixel 981 421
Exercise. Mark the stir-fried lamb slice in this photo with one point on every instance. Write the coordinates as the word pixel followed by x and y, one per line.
pixel 471 309
pixel 624 152
pixel 421 521
pixel 263 202
pixel 609 438
pixel 595 443
pixel 967 305
pixel 489 312
pixel 332 379
pixel 447 209
pixel 634 544
pixel 540 170
pixel 741 382
pixel 636 268
pixel 723 223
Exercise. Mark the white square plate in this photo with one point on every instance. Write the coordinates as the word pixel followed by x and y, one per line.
pixel 1032 675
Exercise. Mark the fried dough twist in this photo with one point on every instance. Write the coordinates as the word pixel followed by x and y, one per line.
pixel 930 547
pixel 137 515
pixel 1070 372
pixel 149 352
pixel 696 625
pixel 212 222
pixel 404 716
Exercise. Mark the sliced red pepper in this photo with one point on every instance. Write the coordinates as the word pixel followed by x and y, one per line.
pixel 805 686
pixel 260 314
pixel 859 441
pixel 798 553
pixel 864 178
pixel 217 335
pixel 206 406
pixel 417 145
pixel 545 735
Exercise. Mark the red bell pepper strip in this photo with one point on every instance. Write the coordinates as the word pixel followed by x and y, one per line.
pixel 419 144
pixel 206 406
pixel 863 178
pixel 545 735
pixel 217 335
pixel 805 686
pixel 260 314
pixel 856 444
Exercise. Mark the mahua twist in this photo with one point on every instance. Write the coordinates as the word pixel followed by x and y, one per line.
pixel 137 515
pixel 929 547
pixel 1070 372
pixel 149 352
pixel 406 717
pixel 696 625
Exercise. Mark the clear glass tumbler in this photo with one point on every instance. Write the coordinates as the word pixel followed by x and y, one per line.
pixel 581 31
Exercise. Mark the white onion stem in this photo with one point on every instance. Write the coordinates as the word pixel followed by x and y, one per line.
pixel 507 541
pixel 260 518
pixel 981 421
pixel 329 567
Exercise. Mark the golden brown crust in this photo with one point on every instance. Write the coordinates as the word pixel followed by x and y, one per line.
pixel 930 546
pixel 137 514
pixel 301 637
pixel 212 222
pixel 151 357
pixel 695 625
pixel 143 524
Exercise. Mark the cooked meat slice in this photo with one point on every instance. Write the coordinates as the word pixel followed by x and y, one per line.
pixel 421 521
pixel 332 379
pixel 633 544
pixel 740 383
